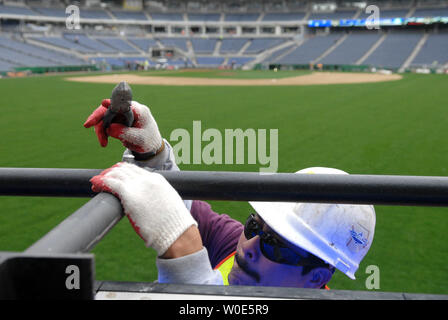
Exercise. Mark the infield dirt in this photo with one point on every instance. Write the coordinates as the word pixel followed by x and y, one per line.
pixel 315 78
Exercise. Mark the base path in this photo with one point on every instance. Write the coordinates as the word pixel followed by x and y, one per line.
pixel 308 79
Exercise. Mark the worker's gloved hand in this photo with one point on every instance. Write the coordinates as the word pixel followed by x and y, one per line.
pixel 154 208
pixel 143 137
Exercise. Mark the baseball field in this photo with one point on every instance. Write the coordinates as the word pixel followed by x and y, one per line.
pixel 392 127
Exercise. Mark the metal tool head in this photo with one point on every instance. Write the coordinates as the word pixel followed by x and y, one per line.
pixel 120 106
pixel 121 98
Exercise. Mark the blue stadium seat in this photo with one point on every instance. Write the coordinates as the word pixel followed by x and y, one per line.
pixel 204 17
pixel 33 50
pixel 434 51
pixel 117 44
pixel 239 61
pixel 64 43
pixel 430 12
pixel 93 14
pixel 261 44
pixel 143 43
pixel 232 45
pixel 336 15
pixel 51 12
pixel 129 15
pixel 167 16
pixel 85 41
pixel 203 46
pixel 17 10
pixel 394 50
pixel 353 48
pixel 238 17
pixel 297 16
pixel 209 61
pixel 310 50
pixel 180 43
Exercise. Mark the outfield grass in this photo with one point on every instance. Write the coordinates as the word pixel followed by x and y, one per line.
pixel 393 128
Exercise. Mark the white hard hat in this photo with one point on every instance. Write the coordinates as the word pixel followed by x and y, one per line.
pixel 339 234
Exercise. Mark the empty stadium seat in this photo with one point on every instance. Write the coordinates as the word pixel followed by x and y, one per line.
pixel 394 50
pixel 261 44
pixel 204 17
pixel 232 45
pixel 434 51
pixel 180 43
pixel 18 10
pixel 241 17
pixel 33 50
pixel 353 48
pixel 298 16
pixel 310 50
pixel 209 61
pixel 118 44
pixel 203 45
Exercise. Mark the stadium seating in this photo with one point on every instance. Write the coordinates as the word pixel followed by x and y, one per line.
pixel 434 51
pixel 33 50
pixel 209 61
pixel 18 10
pixel 93 14
pixel 64 43
pixel 204 17
pixel 272 58
pixel 118 44
pixel 203 46
pixel 241 17
pixel 431 12
pixel 85 41
pixel 6 66
pixel 180 43
pixel 261 44
pixel 51 12
pixel 50 43
pixel 394 50
pixel 129 15
pixel 310 50
pixel 143 43
pixel 239 61
pixel 232 45
pixel 298 16
pixel 167 16
pixel 23 59
pixel 353 48
pixel 336 15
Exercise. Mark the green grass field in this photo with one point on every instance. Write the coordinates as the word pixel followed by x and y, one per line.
pixel 395 128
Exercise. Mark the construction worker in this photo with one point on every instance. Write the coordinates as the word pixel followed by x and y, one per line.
pixel 280 244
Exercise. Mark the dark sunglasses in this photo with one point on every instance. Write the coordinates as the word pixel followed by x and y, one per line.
pixel 276 250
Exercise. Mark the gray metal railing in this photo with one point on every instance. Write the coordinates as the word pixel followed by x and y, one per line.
pixel 82 230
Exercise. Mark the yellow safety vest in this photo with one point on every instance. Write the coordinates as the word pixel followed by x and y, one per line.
pixel 225 266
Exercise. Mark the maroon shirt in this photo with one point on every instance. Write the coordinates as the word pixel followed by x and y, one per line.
pixel 219 232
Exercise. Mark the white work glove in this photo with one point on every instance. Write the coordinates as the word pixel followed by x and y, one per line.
pixel 154 208
pixel 142 138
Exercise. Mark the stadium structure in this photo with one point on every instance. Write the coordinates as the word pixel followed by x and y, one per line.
pixel 46 35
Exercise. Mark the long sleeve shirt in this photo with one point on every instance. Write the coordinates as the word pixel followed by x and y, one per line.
pixel 219 234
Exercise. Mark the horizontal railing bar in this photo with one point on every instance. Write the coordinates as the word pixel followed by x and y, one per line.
pixel 82 230
pixel 244 186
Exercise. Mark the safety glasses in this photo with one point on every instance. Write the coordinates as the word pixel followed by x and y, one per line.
pixel 275 249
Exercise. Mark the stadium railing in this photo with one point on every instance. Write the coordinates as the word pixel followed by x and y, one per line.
pixel 42 271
